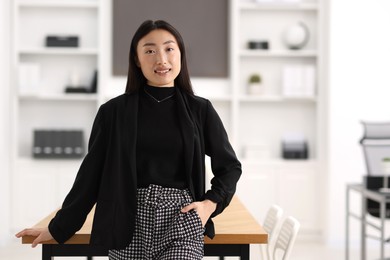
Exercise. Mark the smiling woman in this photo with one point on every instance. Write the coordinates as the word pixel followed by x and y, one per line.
pixel 204 29
pixel 145 167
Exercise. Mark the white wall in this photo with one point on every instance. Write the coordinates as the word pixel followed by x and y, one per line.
pixel 359 90
pixel 4 120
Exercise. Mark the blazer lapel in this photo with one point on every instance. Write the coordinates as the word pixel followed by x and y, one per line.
pixel 130 135
pixel 187 130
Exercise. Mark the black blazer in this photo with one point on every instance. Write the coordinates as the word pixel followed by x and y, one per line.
pixel 107 175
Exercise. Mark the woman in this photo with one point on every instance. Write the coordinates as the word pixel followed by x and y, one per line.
pixel 145 167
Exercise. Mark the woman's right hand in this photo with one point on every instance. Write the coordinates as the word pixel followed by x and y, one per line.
pixel 41 234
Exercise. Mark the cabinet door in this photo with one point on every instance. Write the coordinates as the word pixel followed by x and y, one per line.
pixel 33 195
pixel 256 188
pixel 299 194
pixel 39 188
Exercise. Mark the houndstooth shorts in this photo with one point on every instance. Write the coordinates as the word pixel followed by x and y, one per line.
pixel 162 232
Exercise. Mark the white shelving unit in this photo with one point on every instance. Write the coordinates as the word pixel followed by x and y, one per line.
pixel 262 120
pixel 40 185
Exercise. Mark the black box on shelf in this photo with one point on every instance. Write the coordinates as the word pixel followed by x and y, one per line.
pixel 58 144
pixel 260 45
pixel 295 150
pixel 80 89
pixel 294 146
pixel 62 41
pixel 91 89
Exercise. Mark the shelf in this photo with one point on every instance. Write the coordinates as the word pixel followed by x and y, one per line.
pixel 279 161
pixel 219 98
pixel 275 98
pixel 58 51
pixel 279 6
pixel 279 53
pixel 58 3
pixel 59 97
pixel 34 164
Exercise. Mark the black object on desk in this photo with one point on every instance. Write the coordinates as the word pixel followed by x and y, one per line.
pixel 375 183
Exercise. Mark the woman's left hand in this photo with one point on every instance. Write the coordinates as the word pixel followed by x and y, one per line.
pixel 204 209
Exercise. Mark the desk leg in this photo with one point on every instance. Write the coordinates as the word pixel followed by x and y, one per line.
pixel 363 228
pixel 245 252
pixel 383 213
pixel 223 250
pixel 46 252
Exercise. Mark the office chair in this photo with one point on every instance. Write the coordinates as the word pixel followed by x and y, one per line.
pixel 286 238
pixel 271 221
pixel 376 147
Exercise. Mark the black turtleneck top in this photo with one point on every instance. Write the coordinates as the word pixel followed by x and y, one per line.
pixel 159 140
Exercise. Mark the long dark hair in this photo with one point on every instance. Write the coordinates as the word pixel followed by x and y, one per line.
pixel 135 77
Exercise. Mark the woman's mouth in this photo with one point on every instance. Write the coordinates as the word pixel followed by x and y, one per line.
pixel 162 71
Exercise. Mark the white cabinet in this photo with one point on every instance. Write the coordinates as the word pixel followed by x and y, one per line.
pixel 299 191
pixel 39 187
pixel 40 76
pixel 293 185
pixel 257 188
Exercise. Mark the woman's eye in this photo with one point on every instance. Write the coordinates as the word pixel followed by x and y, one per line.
pixel 149 51
pixel 170 49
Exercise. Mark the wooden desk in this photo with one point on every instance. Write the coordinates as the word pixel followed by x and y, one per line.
pixel 235 229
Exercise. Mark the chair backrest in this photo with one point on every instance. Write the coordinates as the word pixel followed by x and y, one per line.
pixel 286 237
pixel 274 214
pixel 271 221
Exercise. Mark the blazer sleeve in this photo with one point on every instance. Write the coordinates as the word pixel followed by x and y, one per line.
pixel 83 194
pixel 225 166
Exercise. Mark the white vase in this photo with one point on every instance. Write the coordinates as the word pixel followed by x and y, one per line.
pixel 255 89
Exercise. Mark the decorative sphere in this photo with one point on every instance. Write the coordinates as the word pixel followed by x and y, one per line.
pixel 296 36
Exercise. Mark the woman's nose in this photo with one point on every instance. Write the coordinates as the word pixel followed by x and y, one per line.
pixel 161 58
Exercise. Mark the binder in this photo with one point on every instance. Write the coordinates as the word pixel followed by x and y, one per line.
pixel 58 144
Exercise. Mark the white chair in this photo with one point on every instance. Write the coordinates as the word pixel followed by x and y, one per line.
pixel 286 238
pixel 271 221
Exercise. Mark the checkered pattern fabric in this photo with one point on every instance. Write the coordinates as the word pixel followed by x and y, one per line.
pixel 162 232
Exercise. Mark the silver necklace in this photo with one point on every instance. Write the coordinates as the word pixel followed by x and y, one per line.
pixel 158 101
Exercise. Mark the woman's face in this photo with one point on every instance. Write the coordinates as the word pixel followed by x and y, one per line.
pixel 159 58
